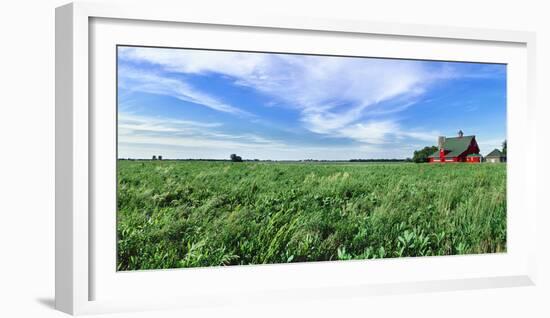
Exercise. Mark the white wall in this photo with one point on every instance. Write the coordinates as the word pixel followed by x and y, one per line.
pixel 27 157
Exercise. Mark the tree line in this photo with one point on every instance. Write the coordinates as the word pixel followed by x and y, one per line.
pixel 419 156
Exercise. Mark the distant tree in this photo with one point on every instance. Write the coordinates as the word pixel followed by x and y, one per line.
pixel 504 144
pixel 160 157
pixel 235 158
pixel 422 155
pixel 154 157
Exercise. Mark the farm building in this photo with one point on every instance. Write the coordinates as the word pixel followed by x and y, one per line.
pixel 474 157
pixel 495 156
pixel 456 149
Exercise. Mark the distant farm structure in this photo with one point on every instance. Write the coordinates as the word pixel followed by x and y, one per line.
pixel 456 149
pixel 495 156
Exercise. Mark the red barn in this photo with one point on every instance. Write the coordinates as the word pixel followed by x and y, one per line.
pixel 456 149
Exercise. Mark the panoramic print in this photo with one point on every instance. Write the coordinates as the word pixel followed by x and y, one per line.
pixel 241 158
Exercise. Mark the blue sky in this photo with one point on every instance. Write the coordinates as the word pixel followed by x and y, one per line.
pixel 182 103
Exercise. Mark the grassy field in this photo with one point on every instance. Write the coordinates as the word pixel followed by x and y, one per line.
pixel 189 214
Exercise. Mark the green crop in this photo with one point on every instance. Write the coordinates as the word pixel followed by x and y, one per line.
pixel 190 213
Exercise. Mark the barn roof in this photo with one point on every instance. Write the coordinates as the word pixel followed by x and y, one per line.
pixel 454 146
pixel 495 154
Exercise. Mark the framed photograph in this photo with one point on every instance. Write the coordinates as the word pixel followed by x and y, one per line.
pixel 205 159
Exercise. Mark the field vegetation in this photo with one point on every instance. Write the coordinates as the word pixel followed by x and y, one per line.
pixel 188 214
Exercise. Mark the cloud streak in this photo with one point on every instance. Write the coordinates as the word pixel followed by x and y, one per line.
pixel 148 130
pixel 135 80
pixel 330 93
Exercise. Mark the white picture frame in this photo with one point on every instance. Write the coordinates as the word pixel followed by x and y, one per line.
pixel 84 281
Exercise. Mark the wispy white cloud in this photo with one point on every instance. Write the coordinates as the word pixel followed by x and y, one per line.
pixel 135 80
pixel 143 136
pixel 374 132
pixel 332 95
pixel 235 64
pixel 448 70
pixel 427 136
pixel 160 123
pixel 169 146
pixel 163 125
pixel 377 132
pixel 137 131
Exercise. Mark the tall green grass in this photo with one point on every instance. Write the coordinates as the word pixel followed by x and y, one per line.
pixel 188 214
